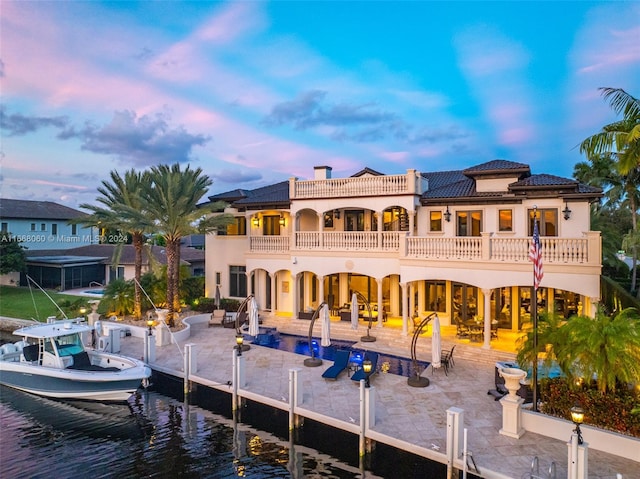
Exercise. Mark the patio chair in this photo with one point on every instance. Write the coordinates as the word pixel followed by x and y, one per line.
pixel 360 374
pixel 217 317
pixel 340 364
pixel 494 329
pixel 447 358
pixel 462 330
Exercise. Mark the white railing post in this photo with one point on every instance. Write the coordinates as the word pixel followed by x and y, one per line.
pixel 455 426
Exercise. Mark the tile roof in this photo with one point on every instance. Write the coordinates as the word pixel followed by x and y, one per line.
pixel 497 166
pixel 127 254
pixel 277 194
pixel 26 209
pixel 366 171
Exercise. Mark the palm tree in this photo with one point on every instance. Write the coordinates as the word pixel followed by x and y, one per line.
pixel 606 347
pixel 119 196
pixel 171 197
pixel 621 139
pixel 551 341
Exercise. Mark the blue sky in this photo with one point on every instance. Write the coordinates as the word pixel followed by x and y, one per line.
pixel 256 92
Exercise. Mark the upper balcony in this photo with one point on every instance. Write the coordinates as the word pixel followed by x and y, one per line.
pixel 384 185
pixel 585 250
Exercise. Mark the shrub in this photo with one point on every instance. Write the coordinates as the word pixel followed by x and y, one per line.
pixel 203 305
pixel 229 304
pixel 613 411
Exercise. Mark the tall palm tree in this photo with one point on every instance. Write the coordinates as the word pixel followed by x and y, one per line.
pixel 621 139
pixel 171 197
pixel 120 195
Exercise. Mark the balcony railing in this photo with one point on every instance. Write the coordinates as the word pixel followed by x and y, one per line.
pixel 269 244
pixel 348 241
pixel 586 250
pixel 350 187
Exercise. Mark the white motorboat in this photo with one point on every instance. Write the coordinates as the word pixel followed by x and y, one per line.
pixel 52 361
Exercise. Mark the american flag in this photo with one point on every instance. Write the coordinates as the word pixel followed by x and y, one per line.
pixel 535 255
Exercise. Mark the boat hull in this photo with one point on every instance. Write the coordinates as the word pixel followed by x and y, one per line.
pixel 70 384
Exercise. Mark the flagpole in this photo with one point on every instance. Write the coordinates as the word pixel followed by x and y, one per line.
pixel 534 316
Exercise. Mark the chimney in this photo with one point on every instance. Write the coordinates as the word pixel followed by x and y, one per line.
pixel 322 172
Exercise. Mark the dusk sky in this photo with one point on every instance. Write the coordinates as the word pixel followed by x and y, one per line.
pixel 256 92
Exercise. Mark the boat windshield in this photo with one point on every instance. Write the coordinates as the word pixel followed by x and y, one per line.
pixel 69 344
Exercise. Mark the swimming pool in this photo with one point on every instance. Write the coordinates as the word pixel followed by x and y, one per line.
pixel 98 292
pixel 300 345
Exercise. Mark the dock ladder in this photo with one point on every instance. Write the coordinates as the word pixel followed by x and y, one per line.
pixel 535 471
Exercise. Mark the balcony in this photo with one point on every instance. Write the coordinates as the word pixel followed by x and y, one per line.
pixel 583 251
pixel 387 185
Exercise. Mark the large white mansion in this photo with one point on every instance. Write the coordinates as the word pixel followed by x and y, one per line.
pixel 455 242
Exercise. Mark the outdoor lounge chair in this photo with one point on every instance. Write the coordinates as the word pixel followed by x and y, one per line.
pixel 340 364
pixel 360 374
pixel 217 317
pixel 447 359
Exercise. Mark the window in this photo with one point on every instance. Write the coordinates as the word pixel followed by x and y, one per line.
pixel 435 220
pixel 43 227
pixel 505 220
pixel 237 228
pixel 5 227
pixel 328 219
pixel 354 220
pixel 435 296
pixel 469 223
pixel 74 230
pixel 237 281
pixel 547 222
pixel 54 229
pixel 33 226
pixel 271 225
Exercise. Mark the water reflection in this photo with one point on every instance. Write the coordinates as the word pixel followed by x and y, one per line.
pixel 150 436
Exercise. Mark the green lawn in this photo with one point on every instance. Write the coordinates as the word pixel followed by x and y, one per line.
pixel 23 303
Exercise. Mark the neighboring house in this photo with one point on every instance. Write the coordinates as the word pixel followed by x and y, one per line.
pixel 451 242
pixel 92 265
pixel 44 225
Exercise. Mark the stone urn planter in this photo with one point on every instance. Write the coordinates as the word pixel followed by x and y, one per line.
pixel 512 378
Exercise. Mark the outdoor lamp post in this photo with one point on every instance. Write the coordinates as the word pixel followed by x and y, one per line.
pixel 577 416
pixel 366 367
pixel 150 325
pixel 239 340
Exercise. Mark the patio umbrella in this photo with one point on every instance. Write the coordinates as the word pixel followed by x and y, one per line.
pixel 436 344
pixel 254 329
pixel 354 311
pixel 326 326
pixel 216 299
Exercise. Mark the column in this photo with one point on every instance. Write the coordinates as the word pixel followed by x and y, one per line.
pixel 294 294
pixel 321 296
pixel 380 303
pixel 486 294
pixel 403 292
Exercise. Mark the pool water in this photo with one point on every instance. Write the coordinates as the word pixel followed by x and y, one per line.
pixel 95 291
pixel 300 345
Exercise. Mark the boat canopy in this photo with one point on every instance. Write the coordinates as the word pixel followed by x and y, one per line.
pixel 52 330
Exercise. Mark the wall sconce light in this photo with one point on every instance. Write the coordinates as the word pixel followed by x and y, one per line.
pixel 577 416
pixel 239 341
pixel 336 214
pixel 447 215
pixel 282 222
pixel 566 211
pixel 256 221
pixel 366 367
